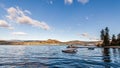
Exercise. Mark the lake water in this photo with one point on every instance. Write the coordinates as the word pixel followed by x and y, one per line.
pixel 53 57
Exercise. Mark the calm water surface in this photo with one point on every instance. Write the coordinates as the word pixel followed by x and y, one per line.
pixel 52 57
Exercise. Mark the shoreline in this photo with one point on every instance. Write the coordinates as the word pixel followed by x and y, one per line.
pixel 78 46
pixel 111 46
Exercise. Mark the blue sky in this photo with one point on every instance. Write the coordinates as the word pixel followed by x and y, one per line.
pixel 58 19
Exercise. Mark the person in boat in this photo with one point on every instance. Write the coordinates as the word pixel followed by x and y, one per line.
pixel 70 46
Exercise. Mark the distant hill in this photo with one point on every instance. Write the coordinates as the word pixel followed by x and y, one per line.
pixel 83 42
pixel 49 41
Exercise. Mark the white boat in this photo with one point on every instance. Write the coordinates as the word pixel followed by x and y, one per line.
pixel 70 50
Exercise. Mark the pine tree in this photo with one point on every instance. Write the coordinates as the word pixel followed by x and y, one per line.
pixel 105 37
pixel 118 39
pixel 114 41
pixel 102 34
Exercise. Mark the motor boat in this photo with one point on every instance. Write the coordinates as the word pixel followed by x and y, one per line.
pixel 90 48
pixel 70 50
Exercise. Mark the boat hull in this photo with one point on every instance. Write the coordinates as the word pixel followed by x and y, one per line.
pixel 69 51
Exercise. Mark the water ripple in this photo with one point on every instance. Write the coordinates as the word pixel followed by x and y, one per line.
pixel 45 57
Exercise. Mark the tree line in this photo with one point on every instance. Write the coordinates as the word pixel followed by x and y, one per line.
pixel 107 41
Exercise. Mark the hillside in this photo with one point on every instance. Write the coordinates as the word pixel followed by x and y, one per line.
pixel 49 41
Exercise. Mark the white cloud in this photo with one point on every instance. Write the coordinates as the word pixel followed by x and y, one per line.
pixel 4 24
pixel 19 16
pixel 19 33
pixel 84 35
pixel 28 12
pixel 11 28
pixel 68 1
pixel 12 13
pixel 83 1
pixel 88 36
pixel 94 38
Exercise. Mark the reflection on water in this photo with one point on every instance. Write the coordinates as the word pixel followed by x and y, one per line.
pixel 106 56
pixel 53 57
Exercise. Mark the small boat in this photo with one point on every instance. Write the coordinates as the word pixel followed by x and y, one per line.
pixel 70 50
pixel 90 48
